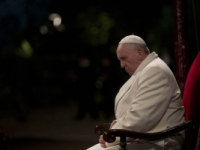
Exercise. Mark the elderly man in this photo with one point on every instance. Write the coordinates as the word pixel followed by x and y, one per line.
pixel 150 101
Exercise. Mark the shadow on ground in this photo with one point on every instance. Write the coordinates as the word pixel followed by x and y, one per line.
pixel 51 129
pixel 47 144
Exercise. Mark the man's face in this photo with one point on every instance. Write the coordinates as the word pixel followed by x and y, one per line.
pixel 128 58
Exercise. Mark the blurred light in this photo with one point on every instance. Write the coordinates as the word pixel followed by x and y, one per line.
pixel 25 50
pixel 43 29
pixel 84 62
pixel 56 18
pixel 27 47
pixel 61 28
pixel 57 22
pixel 105 62
pixel 53 16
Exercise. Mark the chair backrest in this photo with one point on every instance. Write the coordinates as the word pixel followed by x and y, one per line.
pixel 191 100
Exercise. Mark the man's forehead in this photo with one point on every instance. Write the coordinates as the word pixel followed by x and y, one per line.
pixel 122 48
pixel 122 51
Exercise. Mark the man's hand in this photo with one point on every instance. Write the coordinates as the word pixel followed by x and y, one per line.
pixel 102 142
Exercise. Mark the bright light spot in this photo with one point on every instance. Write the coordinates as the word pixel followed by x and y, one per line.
pixel 61 28
pixel 53 16
pixel 57 22
pixel 56 18
pixel 43 29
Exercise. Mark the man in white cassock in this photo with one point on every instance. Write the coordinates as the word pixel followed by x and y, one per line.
pixel 150 101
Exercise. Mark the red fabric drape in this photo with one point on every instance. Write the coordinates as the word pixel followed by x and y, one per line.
pixel 191 96
pixel 191 100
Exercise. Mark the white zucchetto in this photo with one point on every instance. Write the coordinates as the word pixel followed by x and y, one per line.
pixel 132 39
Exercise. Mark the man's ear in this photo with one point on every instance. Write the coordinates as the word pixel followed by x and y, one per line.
pixel 140 54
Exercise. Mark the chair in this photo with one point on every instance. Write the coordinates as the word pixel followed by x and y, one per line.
pixel 191 102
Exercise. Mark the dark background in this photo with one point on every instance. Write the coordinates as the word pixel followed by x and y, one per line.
pixel 70 74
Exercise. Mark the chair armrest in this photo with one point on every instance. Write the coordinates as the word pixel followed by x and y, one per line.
pixel 101 128
pixel 110 135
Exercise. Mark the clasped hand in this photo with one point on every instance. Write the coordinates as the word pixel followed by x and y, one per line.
pixel 102 142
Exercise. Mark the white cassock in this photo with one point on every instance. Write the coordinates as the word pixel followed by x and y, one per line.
pixel 150 101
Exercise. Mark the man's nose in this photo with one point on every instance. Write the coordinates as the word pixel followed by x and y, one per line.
pixel 122 65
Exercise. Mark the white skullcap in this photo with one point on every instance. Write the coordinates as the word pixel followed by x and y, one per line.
pixel 132 39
